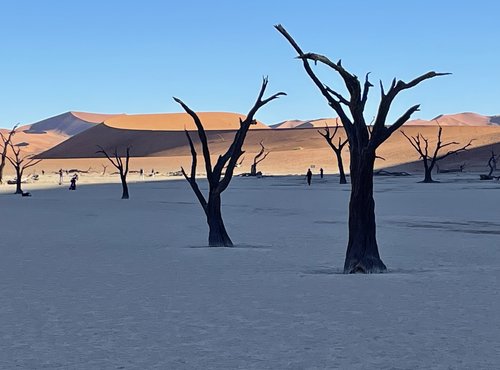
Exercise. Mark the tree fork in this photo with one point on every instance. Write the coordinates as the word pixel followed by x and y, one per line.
pixel 217 181
pixel 362 251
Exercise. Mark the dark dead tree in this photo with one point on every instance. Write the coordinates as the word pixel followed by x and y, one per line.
pixel 492 163
pixel 258 158
pixel 104 168
pixel 336 148
pixel 362 250
pixel 430 158
pixel 6 140
pixel 219 176
pixel 122 168
pixel 20 163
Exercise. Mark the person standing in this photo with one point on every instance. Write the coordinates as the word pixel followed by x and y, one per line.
pixel 73 182
pixel 309 176
pixel 321 172
pixel 60 176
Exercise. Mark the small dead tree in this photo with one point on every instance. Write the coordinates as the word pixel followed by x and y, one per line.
pixel 336 148
pixel 421 144
pixel 120 166
pixel 492 163
pixel 20 163
pixel 258 158
pixel 104 168
pixel 6 140
pixel 219 176
pixel 362 250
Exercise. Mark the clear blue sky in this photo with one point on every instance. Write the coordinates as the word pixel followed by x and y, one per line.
pixel 133 56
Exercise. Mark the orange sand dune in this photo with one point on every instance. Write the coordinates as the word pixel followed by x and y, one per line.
pixel 292 150
pixel 459 119
pixel 179 121
pixel 93 117
pixel 49 132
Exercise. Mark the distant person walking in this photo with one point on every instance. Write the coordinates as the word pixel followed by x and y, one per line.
pixel 141 173
pixel 72 185
pixel 60 176
pixel 153 173
pixel 321 172
pixel 309 176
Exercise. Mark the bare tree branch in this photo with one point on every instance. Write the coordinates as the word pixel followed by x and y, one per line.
pixel 331 101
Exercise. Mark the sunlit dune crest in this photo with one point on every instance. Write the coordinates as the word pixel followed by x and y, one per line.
pixel 179 121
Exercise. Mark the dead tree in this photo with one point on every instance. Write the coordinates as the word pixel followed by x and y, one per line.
pixel 258 158
pixel 362 250
pixel 492 163
pixel 336 148
pixel 6 140
pixel 104 168
pixel 120 166
pixel 20 163
pixel 421 144
pixel 219 176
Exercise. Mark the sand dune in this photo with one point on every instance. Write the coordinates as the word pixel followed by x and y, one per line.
pixel 292 150
pixel 45 134
pixel 319 123
pixel 158 141
pixel 49 132
pixel 178 121
pixel 67 124
pixel 459 119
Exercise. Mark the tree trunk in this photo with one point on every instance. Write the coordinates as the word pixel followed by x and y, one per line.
pixel 217 235
pixel 428 173
pixel 362 251
pixel 428 176
pixel 253 170
pixel 19 176
pixel 343 179
pixel 125 187
pixel 2 165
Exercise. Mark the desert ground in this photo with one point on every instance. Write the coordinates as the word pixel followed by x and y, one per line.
pixel 91 281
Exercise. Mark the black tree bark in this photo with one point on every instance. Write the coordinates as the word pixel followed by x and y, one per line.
pixel 19 176
pixel 257 159
pixel 123 179
pixel 20 163
pixel 421 145
pixel 337 149
pixel 6 140
pixel 362 251
pixel 217 234
pixel 492 163
pixel 120 166
pixel 217 180
pixel 343 179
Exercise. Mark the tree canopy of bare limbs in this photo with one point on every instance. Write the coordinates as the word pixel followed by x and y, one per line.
pixel 219 176
pixel 6 140
pixel 362 250
pixel 337 148
pixel 122 167
pixel 430 157
pixel 261 155
pixel 20 163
